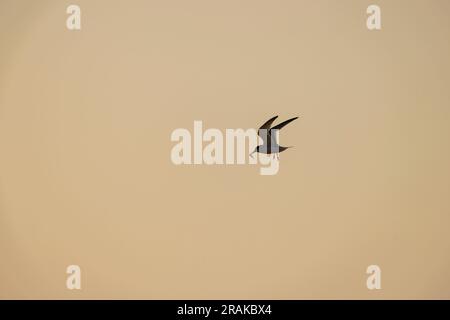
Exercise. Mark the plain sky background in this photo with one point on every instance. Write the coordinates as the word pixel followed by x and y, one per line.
pixel 85 170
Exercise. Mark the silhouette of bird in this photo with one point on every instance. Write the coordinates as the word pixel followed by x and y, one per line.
pixel 268 134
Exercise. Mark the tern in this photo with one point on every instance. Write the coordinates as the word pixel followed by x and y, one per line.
pixel 269 136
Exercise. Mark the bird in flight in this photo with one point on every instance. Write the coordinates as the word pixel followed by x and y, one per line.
pixel 268 134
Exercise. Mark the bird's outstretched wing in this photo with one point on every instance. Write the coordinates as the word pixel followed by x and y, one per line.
pixel 281 125
pixel 263 131
pixel 273 130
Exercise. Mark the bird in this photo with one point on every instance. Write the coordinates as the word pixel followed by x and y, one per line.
pixel 268 134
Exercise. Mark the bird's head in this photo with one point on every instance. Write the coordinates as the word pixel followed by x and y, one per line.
pixel 256 150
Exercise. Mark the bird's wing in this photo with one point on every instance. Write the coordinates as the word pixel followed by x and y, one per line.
pixel 281 125
pixel 263 131
pixel 273 135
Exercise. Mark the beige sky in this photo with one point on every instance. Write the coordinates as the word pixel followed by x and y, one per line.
pixel 85 170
